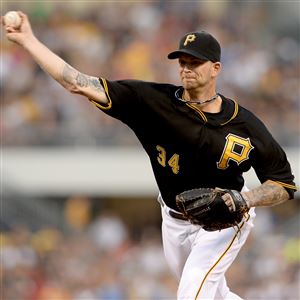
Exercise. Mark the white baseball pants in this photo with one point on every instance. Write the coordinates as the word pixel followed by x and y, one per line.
pixel 198 258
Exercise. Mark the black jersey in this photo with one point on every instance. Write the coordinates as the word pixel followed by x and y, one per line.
pixel 189 148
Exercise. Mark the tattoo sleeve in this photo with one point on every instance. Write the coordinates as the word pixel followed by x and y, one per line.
pixel 74 80
pixel 268 194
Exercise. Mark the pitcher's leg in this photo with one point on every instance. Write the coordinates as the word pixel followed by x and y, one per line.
pixel 211 256
pixel 176 244
pixel 223 292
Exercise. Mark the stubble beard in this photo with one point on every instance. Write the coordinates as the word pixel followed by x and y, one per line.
pixel 189 84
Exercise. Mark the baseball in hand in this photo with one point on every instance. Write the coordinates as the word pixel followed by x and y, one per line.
pixel 13 19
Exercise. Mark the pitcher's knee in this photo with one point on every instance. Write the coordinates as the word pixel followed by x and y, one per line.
pixel 196 286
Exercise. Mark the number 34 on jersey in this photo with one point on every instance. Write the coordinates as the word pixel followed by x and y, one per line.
pixel 236 149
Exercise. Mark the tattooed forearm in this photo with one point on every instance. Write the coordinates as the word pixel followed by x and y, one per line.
pixel 72 79
pixel 69 76
pixel 82 84
pixel 82 80
pixel 268 194
pixel 94 83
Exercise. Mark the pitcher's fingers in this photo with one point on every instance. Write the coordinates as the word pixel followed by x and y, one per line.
pixel 10 29
pixel 22 15
pixel 227 197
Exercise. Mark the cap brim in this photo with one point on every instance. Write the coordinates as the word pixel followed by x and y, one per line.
pixel 177 53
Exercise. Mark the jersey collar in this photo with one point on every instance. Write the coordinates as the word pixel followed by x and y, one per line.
pixel 229 111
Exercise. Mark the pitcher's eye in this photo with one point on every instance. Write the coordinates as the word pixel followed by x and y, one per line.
pixel 181 63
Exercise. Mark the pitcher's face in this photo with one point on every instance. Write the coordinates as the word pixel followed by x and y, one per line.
pixel 195 72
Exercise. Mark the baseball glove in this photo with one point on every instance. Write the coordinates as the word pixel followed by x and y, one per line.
pixel 206 207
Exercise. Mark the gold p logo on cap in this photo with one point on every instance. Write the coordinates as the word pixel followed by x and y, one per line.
pixel 189 39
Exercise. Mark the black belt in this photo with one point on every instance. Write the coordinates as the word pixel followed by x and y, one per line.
pixel 176 215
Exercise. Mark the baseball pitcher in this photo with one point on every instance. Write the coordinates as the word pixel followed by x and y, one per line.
pixel 199 143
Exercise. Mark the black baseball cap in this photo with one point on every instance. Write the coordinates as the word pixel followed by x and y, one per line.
pixel 199 44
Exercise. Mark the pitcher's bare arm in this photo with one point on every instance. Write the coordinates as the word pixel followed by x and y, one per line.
pixel 70 78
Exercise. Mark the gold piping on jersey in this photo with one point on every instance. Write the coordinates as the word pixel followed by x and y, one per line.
pixel 203 116
pixel 199 111
pixel 223 254
pixel 289 186
pixel 236 110
pixel 108 106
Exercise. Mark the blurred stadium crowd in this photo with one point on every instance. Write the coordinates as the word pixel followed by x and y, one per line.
pixel 131 40
pixel 102 259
